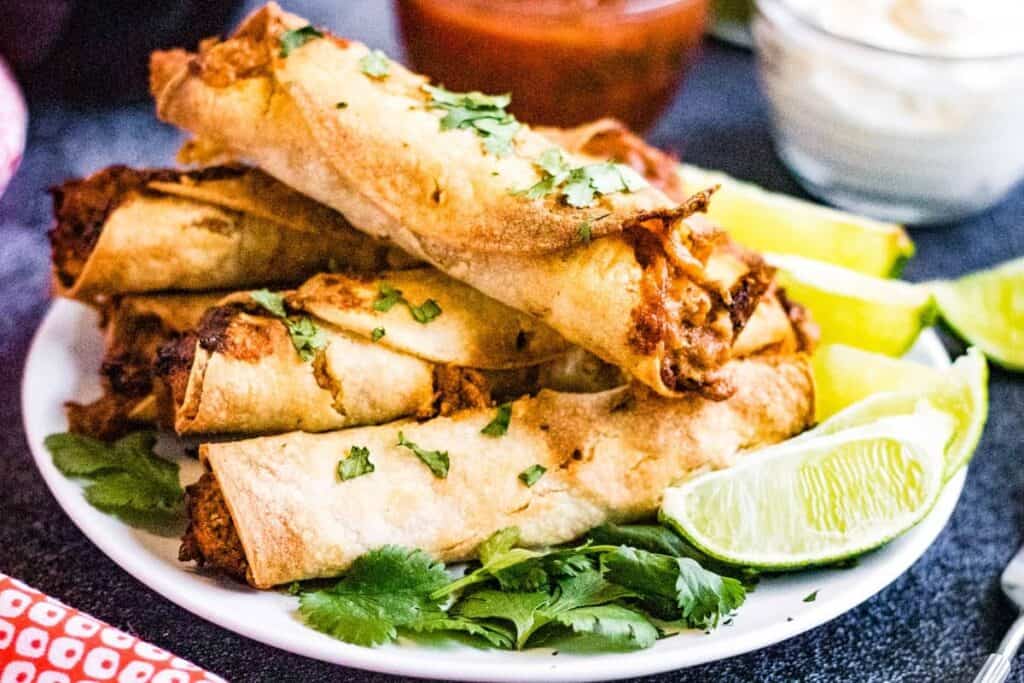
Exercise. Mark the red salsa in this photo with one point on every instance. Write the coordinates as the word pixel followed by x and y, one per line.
pixel 564 61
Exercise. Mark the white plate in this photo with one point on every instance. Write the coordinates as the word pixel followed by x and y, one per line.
pixel 62 365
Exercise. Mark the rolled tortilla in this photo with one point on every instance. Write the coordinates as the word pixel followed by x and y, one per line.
pixel 123 230
pixel 239 372
pixel 634 287
pixel 134 329
pixel 608 457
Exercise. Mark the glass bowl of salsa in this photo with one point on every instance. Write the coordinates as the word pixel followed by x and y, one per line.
pixel 564 61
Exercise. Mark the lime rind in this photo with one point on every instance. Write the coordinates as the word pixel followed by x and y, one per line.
pixel 987 309
pixel 795 538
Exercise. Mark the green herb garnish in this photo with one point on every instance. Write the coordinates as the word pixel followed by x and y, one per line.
pixel 437 461
pixel 499 425
pixel 484 114
pixel 581 186
pixel 378 333
pixel 532 474
pixel 606 597
pixel 294 39
pixel 388 296
pixel 306 337
pixel 811 597
pixel 341 105
pixel 356 464
pixel 375 64
pixel 126 478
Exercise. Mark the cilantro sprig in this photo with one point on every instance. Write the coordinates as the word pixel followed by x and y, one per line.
pixel 532 474
pixel 296 38
pixel 580 187
pixel 484 114
pixel 610 597
pixel 388 296
pixel 306 337
pixel 125 477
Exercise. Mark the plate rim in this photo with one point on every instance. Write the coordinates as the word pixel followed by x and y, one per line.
pixel 609 666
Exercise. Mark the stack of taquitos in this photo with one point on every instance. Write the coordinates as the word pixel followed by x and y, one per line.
pixel 636 289
pixel 647 285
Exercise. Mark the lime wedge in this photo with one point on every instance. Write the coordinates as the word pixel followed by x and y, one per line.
pixel 851 308
pixel 854 388
pixel 817 501
pixel 987 309
pixel 768 221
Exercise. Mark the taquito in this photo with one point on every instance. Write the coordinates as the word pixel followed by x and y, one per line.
pixel 134 329
pixel 123 230
pixel 273 510
pixel 240 371
pixel 614 266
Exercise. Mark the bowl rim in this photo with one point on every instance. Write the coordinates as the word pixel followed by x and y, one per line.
pixel 764 8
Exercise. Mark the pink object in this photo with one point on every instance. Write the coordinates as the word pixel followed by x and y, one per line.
pixel 13 120
pixel 45 641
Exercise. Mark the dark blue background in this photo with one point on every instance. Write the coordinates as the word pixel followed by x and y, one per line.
pixel 936 622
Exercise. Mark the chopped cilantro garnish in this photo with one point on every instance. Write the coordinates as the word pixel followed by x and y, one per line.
pixel 584 232
pixel 356 464
pixel 375 64
pixel 437 461
pixel 294 39
pixel 499 425
pixel 271 301
pixel 531 475
pixel 306 337
pixel 425 312
pixel 378 333
pixel 581 186
pixel 485 114
pixel 388 296
pixel 811 597
pixel 126 478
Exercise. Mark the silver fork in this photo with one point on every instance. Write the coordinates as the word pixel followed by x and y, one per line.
pixel 997 666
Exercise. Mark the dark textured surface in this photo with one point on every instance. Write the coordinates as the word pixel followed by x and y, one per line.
pixel 935 623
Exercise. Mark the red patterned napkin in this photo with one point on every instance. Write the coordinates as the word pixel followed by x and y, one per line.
pixel 45 641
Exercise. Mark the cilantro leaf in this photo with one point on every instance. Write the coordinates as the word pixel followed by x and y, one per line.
pixel 385 589
pixel 307 338
pixel 126 477
pixel 378 333
pixel 581 186
pixel 387 297
pixel 296 38
pixel 484 114
pixel 273 302
pixel 356 464
pixel 522 609
pixel 811 597
pixel 499 425
pixel 425 312
pixel 675 588
pixel 532 474
pixel 494 633
pixel 586 589
pixel 375 64
pixel 437 461
pixel 611 627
